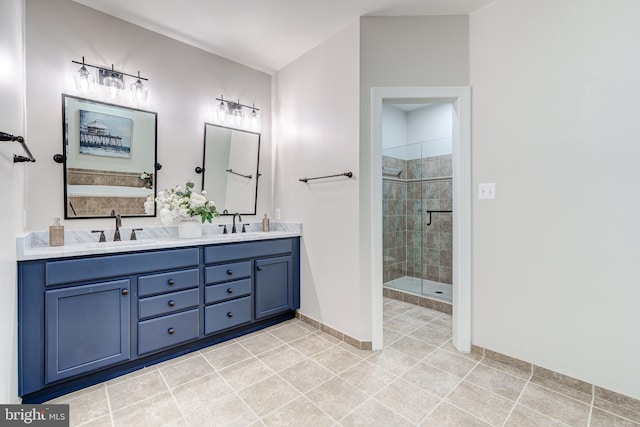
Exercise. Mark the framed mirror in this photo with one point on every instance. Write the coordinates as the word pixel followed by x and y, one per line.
pixel 109 157
pixel 230 167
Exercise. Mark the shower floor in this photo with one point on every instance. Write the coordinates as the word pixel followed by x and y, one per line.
pixel 428 288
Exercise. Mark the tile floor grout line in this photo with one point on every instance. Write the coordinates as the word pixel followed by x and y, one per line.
pixel 448 394
pixel 593 399
pixel 517 401
pixel 173 396
pixel 106 390
pixel 304 395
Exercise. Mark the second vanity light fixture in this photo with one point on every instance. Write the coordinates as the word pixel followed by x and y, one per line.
pixel 112 80
pixel 233 113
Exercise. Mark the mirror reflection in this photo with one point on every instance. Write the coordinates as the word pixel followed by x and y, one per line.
pixel 230 168
pixel 109 159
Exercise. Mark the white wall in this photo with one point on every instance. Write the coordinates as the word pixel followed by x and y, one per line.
pixel 432 126
pixel 316 135
pixel 556 280
pixel 424 132
pixel 12 178
pixel 394 126
pixel 183 82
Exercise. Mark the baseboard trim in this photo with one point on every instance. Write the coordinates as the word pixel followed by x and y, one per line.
pixel 565 384
pixel 361 345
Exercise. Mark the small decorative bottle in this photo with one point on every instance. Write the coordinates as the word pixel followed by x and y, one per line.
pixel 265 223
pixel 56 233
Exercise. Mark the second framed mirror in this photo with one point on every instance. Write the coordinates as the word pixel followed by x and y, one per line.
pixel 230 169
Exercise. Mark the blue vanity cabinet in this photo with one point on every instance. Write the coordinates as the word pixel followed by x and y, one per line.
pixel 86 319
pixel 87 328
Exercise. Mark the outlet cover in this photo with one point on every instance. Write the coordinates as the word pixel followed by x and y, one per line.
pixel 487 191
pixel 277 213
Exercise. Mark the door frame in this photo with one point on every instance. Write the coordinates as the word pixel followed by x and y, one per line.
pixel 460 98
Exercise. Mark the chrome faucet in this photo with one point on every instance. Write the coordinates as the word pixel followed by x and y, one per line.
pixel 233 229
pixel 116 235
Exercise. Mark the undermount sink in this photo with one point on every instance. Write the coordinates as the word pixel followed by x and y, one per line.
pixel 127 243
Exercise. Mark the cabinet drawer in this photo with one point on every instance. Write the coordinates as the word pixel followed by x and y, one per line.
pixel 167 331
pixel 227 314
pixel 76 270
pixel 222 273
pixel 224 291
pixel 167 303
pixel 233 251
pixel 167 282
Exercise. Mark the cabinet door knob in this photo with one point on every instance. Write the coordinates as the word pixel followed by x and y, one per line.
pixel 229 314
pixel 259 268
pixel 229 272
pixel 171 282
pixel 171 331
pixel 229 290
pixel 125 292
pixel 171 303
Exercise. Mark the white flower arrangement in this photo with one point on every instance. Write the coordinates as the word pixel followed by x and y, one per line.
pixel 179 203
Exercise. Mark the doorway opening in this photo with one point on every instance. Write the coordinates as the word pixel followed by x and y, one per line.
pixel 417 225
pixel 459 100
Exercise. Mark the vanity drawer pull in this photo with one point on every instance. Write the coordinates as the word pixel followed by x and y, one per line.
pixel 229 272
pixel 229 290
pixel 171 331
pixel 125 292
pixel 171 282
pixel 229 314
pixel 259 268
pixel 171 303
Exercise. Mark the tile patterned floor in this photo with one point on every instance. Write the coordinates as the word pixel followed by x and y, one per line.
pixel 294 375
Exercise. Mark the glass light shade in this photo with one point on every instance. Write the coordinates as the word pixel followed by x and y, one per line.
pixel 221 112
pixel 237 116
pixel 84 80
pixel 139 92
pixel 113 85
pixel 253 119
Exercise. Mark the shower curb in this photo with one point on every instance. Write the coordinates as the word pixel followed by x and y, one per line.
pixel 420 300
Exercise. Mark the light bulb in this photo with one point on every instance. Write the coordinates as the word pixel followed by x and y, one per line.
pixel 84 80
pixel 253 118
pixel 221 112
pixel 114 85
pixel 237 116
pixel 139 92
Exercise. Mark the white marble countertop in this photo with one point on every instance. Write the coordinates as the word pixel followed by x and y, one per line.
pixel 34 245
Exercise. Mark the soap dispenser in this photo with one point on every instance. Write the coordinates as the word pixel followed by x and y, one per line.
pixel 56 233
pixel 265 223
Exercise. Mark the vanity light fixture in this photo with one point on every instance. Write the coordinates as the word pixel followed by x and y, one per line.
pixel 232 113
pixel 112 80
pixel 84 79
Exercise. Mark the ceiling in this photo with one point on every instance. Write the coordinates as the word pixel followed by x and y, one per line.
pixel 265 34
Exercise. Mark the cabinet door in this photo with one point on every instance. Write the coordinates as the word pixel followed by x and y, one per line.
pixel 273 286
pixel 87 328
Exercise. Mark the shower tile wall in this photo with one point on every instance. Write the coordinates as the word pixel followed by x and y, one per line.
pixel 437 258
pixel 411 248
pixel 394 221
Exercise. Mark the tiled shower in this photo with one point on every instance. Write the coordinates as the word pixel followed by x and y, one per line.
pixel 417 257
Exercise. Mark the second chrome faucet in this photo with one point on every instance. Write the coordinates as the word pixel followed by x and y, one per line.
pixel 116 235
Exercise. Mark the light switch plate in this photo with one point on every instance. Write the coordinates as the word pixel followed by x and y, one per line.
pixel 487 191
